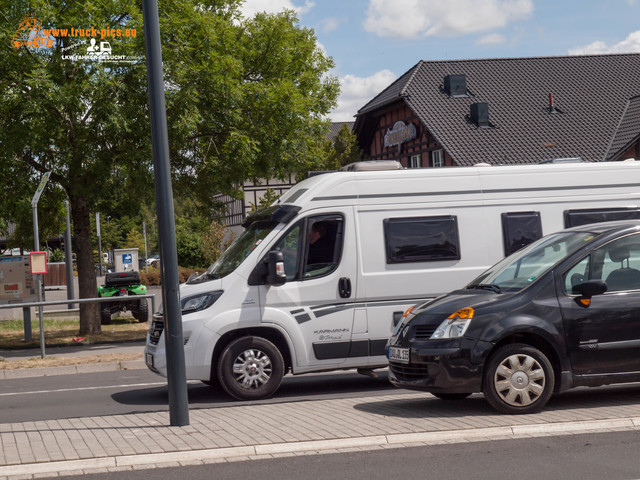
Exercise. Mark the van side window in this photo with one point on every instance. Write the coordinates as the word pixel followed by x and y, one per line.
pixel 421 239
pixel 290 245
pixel 519 229
pixel 576 218
pixel 324 245
pixel 617 263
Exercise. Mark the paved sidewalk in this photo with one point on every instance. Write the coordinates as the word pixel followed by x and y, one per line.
pixel 245 432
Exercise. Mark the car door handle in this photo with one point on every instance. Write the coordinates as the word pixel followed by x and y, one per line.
pixel 344 287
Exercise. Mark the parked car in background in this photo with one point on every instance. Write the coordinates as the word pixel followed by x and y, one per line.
pixel 151 259
pixel 563 312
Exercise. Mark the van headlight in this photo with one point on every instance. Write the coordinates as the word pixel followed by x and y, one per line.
pixel 199 302
pixel 455 325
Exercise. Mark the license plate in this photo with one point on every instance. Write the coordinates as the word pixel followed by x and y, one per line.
pixel 148 358
pixel 400 355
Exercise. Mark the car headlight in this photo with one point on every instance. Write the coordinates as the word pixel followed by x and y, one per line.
pixel 199 302
pixel 455 325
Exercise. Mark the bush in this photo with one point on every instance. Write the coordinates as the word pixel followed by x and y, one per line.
pixel 154 277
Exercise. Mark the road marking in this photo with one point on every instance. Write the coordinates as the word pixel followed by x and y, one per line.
pixel 102 387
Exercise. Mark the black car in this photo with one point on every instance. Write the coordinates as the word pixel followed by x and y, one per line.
pixel 562 312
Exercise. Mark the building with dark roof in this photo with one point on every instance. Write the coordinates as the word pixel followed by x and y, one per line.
pixel 507 111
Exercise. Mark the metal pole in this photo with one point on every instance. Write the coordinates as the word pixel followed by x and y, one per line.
pixel 68 256
pixel 99 242
pixel 36 241
pixel 176 370
pixel 26 316
pixel 146 255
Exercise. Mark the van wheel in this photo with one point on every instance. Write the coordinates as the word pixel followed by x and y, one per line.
pixel 518 379
pixel 250 368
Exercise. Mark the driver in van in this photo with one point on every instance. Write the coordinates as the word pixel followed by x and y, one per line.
pixel 320 250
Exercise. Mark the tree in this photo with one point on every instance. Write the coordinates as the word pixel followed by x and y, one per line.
pixel 343 149
pixel 246 99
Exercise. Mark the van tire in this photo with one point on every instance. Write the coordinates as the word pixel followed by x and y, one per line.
pixel 250 368
pixel 518 379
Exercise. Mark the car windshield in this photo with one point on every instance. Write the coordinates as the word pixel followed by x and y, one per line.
pixel 520 269
pixel 240 249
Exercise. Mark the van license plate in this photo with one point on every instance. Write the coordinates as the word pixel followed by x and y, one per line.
pixel 148 359
pixel 400 355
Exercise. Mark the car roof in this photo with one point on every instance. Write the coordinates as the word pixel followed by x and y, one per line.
pixel 607 227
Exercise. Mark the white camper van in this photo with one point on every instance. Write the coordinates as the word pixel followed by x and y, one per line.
pixel 274 303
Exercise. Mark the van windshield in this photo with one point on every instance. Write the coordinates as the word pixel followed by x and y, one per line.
pixel 240 249
pixel 526 265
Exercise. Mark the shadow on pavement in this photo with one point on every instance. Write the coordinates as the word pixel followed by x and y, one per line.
pixel 298 388
pixel 475 405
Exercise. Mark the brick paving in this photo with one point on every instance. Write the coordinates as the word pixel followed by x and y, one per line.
pixel 247 432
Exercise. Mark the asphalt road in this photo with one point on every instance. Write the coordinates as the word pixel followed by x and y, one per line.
pixel 611 456
pixel 132 391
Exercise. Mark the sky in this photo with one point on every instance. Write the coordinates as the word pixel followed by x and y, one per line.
pixel 373 42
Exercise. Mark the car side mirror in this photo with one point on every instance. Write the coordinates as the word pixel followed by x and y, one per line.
pixel 276 275
pixel 588 290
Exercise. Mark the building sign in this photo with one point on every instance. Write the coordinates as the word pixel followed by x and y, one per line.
pixel 401 133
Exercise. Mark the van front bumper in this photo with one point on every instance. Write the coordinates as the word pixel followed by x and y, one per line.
pixel 455 368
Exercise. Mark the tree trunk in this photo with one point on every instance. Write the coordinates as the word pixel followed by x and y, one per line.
pixel 87 284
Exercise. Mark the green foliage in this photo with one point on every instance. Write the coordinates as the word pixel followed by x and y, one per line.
pixel 135 240
pixel 215 241
pixel 246 99
pixel 56 255
pixel 267 199
pixel 344 149
pixel 189 242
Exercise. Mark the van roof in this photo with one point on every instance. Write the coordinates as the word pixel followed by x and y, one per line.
pixel 343 185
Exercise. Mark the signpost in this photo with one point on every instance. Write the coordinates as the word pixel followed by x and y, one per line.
pixel 36 241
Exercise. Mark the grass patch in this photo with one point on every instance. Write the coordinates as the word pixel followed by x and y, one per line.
pixel 59 361
pixel 63 331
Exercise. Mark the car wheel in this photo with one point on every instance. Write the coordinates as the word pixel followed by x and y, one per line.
pixel 250 368
pixel 105 313
pixel 142 312
pixel 450 396
pixel 518 379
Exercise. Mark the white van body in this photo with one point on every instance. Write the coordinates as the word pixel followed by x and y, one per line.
pixel 312 323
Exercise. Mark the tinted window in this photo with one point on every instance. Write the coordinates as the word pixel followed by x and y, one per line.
pixel 575 218
pixel 617 263
pixel 519 229
pixel 421 239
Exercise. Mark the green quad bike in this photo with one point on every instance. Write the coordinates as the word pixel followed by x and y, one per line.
pixel 120 284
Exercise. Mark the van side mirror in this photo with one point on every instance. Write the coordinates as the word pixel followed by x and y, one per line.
pixel 590 288
pixel 276 275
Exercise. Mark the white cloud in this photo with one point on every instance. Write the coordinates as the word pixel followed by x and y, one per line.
pixel 493 39
pixel 414 18
pixel 329 24
pixel 356 92
pixel 250 7
pixel 628 45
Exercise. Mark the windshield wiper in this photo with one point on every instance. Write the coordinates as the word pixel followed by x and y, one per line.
pixel 487 286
